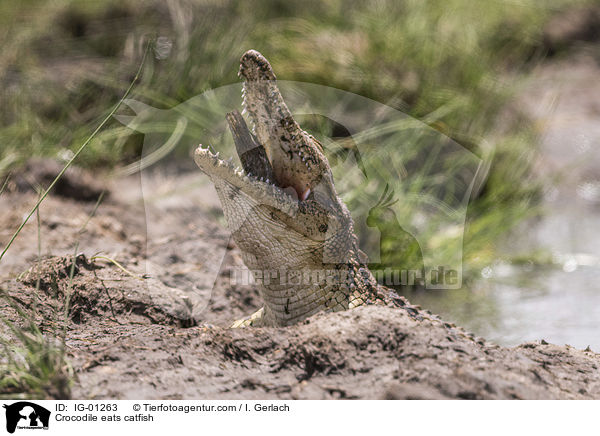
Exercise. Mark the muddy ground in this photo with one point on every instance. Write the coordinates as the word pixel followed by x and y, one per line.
pixel 142 332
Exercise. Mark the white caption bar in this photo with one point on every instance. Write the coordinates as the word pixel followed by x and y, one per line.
pixel 283 418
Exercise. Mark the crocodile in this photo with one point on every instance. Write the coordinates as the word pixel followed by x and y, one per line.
pixel 294 232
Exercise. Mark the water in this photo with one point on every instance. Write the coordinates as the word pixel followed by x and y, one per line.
pixel 557 306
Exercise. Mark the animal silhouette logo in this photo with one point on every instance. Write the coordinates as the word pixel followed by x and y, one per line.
pixel 26 415
pixel 383 217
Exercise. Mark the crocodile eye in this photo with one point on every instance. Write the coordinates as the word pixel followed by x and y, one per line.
pixel 323 228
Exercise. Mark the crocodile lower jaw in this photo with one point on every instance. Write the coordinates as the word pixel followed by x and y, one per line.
pixel 215 167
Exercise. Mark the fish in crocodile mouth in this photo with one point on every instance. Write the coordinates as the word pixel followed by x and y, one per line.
pixel 299 168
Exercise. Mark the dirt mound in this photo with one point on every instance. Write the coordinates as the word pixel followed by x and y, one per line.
pixel 367 353
pixel 95 290
pixel 125 329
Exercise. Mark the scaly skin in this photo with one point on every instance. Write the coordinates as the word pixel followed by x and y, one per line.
pixel 294 232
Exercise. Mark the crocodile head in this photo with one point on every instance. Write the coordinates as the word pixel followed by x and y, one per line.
pixel 303 188
pixel 295 222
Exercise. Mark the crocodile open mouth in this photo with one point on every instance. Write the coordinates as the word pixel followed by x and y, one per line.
pixel 259 188
pixel 256 169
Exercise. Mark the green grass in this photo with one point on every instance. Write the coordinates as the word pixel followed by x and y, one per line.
pixel 34 364
pixel 417 56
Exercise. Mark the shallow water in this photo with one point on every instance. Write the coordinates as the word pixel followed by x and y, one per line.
pixel 557 306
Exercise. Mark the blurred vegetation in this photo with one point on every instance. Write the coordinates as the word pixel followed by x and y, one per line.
pixel 452 64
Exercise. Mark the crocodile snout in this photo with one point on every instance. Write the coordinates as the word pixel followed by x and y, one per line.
pixel 254 67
